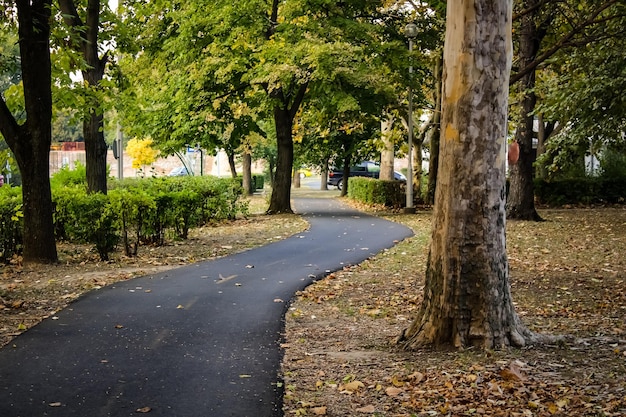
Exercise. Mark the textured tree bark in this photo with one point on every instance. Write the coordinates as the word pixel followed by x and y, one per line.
pixel 31 141
pixel 247 173
pixel 93 122
pixel 435 134
pixel 280 200
pixel 521 199
pixel 387 155
pixel 467 299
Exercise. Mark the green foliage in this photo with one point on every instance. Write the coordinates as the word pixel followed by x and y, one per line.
pixel 10 222
pixel 135 208
pixel 258 181
pixel 581 191
pixel 85 218
pixel 66 177
pixel 377 192
pixel 613 164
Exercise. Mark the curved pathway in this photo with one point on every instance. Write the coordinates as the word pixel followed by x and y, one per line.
pixel 201 340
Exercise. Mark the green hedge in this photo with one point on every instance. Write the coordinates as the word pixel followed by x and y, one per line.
pixel 373 191
pixel 581 191
pixel 10 222
pixel 135 211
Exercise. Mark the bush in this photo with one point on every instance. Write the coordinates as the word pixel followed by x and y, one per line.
pixel 373 191
pixel 258 181
pixel 85 218
pixel 134 209
pixel 140 210
pixel 67 177
pixel 10 222
pixel 580 191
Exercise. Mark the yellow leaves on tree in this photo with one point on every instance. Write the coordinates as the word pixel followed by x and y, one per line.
pixel 141 151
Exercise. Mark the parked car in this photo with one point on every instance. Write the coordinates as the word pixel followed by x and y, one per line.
pixel 178 172
pixel 364 169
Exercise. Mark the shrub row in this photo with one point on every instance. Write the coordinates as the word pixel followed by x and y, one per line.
pixel 373 191
pixel 581 191
pixel 10 222
pixel 135 212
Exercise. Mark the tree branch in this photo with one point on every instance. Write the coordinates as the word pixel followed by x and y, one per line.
pixel 8 125
pixel 566 40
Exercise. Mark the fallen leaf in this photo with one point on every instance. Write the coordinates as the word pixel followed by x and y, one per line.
pixel 393 391
pixel 57 404
pixel 319 411
pixel 180 306
pixel 416 377
pixel 143 410
pixel 352 386
pixel 367 409
pixel 513 373
pixel 21 326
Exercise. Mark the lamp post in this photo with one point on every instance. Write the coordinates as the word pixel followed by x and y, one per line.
pixel 410 31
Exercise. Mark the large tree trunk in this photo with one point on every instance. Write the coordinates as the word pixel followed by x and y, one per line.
pixel 280 201
pixel 467 300
pixel 434 135
pixel 248 189
pixel 521 199
pixel 93 121
pixel 31 141
pixel 387 155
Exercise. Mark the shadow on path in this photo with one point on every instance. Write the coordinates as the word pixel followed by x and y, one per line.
pixel 201 340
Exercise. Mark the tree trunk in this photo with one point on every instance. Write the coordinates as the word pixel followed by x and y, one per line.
pixel 387 155
pixel 345 179
pixel 417 169
pixel 296 179
pixel 248 189
pixel 31 141
pixel 231 163
pixel 93 121
pixel 521 199
pixel 280 200
pixel 433 163
pixel 467 300
pixel 541 171
pixel 324 179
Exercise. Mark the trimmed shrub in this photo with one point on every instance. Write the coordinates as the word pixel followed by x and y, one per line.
pixel 10 222
pixel 580 191
pixel 373 191
pixel 85 218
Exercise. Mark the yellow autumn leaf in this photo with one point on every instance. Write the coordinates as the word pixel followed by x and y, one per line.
pixel 319 411
pixel 397 382
pixel 352 386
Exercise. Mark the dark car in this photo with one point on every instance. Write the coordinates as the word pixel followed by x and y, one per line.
pixel 364 169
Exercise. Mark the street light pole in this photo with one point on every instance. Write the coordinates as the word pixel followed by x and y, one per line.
pixel 410 31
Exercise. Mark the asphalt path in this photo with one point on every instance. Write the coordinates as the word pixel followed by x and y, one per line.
pixel 200 340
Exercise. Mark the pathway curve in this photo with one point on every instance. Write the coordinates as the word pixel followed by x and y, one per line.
pixel 201 340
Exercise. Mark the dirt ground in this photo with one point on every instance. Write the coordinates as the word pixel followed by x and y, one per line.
pixel 568 276
pixel 340 359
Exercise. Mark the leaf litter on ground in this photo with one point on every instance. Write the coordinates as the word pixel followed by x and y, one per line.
pixel 567 277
